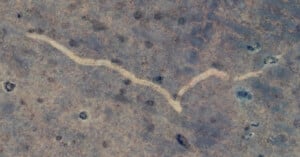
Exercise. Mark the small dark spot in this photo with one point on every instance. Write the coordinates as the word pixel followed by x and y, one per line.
pixel 40 100
pixel 255 124
pixel 98 26
pixel 84 17
pixel 148 44
pixel 58 137
pixel 36 30
pixel 121 38
pixel 116 61
pixel 137 15
pixel 9 86
pixel 105 144
pixel 73 43
pixel 181 21
pixel 213 120
pixel 83 115
pixel 19 15
pixel 247 128
pixel 254 48
pixel 270 60
pixel 122 91
pixel 22 102
pixel 243 94
pixel 158 16
pixel 150 102
pixel 296 123
pixel 34 129
pixel 159 79
pixel 50 79
pixel 127 82
pixel 298 58
pixel 150 127
pixel 248 136
pixel 250 48
pixel 217 65
pixel 31 30
pixel 260 155
pixel 182 141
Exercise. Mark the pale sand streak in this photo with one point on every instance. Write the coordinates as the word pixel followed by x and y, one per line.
pixel 208 73
pixel 175 103
pixel 248 75
pixel 101 62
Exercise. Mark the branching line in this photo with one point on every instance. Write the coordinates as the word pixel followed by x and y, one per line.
pixel 174 102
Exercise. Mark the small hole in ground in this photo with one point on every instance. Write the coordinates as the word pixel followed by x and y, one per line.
pixel 9 86
pixel 83 115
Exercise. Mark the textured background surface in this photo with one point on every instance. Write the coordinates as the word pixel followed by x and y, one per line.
pixel 168 42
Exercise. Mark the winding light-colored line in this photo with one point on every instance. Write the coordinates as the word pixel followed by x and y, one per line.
pixel 208 73
pixel 174 102
pixel 106 63
pixel 248 75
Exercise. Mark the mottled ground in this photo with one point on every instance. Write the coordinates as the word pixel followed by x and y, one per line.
pixel 52 106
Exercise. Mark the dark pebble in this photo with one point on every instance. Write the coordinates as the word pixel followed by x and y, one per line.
pixel 255 124
pixel 159 79
pixel 242 94
pixel 9 86
pixel 150 102
pixel 247 128
pixel 182 141
pixel 127 82
pixel 19 15
pixel 83 115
